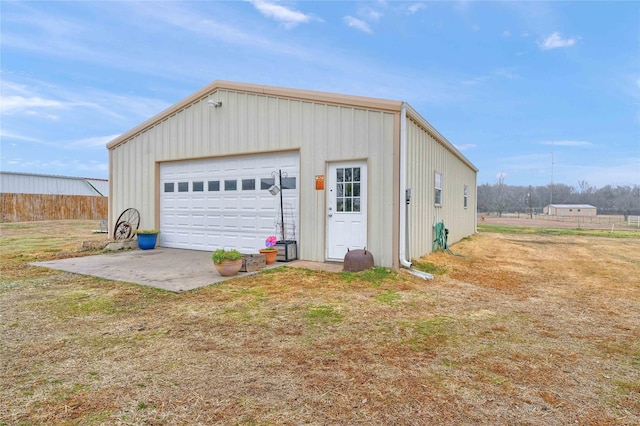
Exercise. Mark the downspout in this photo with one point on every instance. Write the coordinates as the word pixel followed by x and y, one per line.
pixel 405 201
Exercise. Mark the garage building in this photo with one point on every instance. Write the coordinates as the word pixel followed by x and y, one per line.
pixel 577 210
pixel 352 172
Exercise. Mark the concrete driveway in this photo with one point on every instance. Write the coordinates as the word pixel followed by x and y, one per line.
pixel 169 269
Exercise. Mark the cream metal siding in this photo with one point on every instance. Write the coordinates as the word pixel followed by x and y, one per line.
pixel 428 153
pixel 249 122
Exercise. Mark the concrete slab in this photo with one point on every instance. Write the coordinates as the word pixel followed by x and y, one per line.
pixel 169 269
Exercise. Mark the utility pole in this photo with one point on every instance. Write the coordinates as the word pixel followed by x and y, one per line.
pixel 551 202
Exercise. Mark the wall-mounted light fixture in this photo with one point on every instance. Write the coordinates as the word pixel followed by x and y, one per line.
pixel 273 189
pixel 214 104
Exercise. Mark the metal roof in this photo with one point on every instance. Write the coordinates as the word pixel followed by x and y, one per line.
pixel 31 183
pixel 572 206
pixel 308 95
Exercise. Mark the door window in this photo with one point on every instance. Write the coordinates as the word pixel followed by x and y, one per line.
pixel 348 189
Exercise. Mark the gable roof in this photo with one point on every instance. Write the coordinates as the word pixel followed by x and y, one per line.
pixel 393 106
pixel 572 206
pixel 309 95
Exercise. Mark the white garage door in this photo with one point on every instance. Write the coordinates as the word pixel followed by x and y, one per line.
pixel 224 202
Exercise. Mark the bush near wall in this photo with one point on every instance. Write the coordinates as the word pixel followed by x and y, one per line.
pixel 35 207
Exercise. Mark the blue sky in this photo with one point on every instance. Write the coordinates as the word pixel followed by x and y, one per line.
pixel 516 86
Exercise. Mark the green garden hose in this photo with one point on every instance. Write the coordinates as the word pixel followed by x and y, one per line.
pixel 440 242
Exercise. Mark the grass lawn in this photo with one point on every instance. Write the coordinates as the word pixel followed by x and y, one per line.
pixel 533 328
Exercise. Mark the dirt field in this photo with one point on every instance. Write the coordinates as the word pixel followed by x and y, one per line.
pixel 527 329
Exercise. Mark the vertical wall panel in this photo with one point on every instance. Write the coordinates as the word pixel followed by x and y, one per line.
pixel 427 155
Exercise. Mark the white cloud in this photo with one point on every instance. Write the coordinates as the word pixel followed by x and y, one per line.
pixel 12 104
pixel 415 7
pixel 44 100
pixel 92 142
pixel 567 143
pixel 506 33
pixel 474 80
pixel 506 73
pixel 289 17
pixel 555 41
pixel 465 147
pixel 370 14
pixel 357 24
pixel 10 135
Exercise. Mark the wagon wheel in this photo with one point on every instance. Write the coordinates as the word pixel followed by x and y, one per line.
pixel 127 222
pixel 122 231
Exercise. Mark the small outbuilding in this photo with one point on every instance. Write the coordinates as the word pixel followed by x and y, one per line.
pixel 577 210
pixel 235 163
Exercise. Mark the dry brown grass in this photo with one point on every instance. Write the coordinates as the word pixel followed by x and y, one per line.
pixel 525 329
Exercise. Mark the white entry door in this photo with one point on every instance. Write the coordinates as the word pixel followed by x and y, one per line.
pixel 346 208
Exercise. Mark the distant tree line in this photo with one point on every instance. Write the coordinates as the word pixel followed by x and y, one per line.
pixel 501 198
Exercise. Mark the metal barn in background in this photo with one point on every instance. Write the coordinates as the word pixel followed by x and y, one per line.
pixel 574 210
pixel 28 197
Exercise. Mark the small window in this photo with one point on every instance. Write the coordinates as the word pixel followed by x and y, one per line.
pixel 288 183
pixel 198 186
pixel 347 189
pixel 231 185
pixel 266 183
pixel 438 189
pixel 466 196
pixel 213 185
pixel 248 184
pixel 183 186
pixel 169 187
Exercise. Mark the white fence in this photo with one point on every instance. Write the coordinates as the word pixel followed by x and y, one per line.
pixel 617 219
pixel 633 221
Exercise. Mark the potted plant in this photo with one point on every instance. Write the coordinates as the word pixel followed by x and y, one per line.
pixel 227 262
pixel 269 251
pixel 147 238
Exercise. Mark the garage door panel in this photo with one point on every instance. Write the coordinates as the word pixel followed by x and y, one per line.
pixel 268 222
pixel 230 203
pixel 197 202
pixel 198 221
pixel 247 223
pixel 213 204
pixel 215 216
pixel 214 222
pixel 248 203
pixel 197 240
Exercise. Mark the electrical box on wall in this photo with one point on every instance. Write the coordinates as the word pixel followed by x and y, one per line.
pixel 287 250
